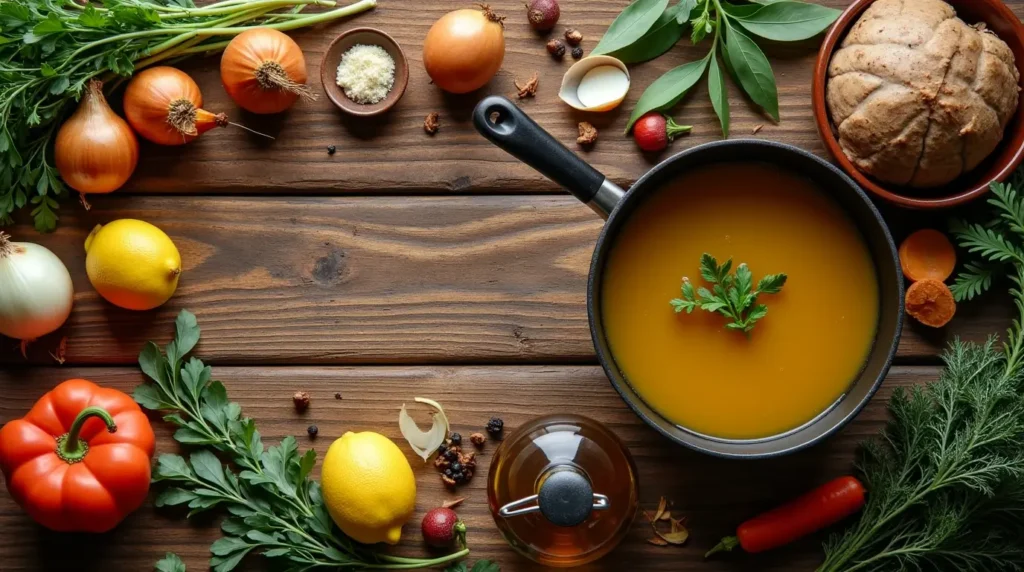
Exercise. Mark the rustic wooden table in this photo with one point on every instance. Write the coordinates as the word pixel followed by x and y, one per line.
pixel 406 265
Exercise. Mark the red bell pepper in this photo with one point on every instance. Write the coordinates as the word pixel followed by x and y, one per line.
pixel 80 459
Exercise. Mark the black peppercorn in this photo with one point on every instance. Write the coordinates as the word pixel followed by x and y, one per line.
pixel 495 426
pixel 457 467
pixel 312 430
pixel 556 48
pixel 451 456
pixel 577 53
pixel 442 449
pixel 456 439
pixel 337 395
pixel 447 472
pixel 458 477
pixel 331 149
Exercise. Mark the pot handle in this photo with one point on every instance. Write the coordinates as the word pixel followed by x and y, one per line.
pixel 505 125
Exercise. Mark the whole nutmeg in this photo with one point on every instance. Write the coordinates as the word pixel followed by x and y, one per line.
pixel 301 401
pixel 556 48
pixel 573 36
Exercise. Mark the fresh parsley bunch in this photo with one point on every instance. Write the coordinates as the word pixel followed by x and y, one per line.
pixel 275 508
pixel 732 295
pixel 648 28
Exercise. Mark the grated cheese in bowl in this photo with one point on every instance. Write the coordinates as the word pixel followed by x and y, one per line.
pixel 366 73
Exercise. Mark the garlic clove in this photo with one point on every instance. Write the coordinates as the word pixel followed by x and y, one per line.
pixel 424 443
pixel 595 83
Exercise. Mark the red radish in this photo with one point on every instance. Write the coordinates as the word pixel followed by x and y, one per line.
pixel 542 14
pixel 653 131
pixel 821 507
pixel 442 526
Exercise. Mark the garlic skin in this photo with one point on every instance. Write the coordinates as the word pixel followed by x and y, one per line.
pixel 36 292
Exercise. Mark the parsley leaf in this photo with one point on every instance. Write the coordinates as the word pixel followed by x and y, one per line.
pixel 733 294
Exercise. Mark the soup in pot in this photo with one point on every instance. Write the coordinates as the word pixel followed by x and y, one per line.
pixel 798 359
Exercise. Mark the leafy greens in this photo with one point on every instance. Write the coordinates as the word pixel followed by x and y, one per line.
pixel 50 49
pixel 732 294
pixel 648 28
pixel 275 508
pixel 946 478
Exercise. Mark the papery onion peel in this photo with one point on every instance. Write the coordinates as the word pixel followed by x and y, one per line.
pixel 424 443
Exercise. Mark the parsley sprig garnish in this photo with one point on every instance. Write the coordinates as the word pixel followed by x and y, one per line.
pixel 732 294
pixel 275 508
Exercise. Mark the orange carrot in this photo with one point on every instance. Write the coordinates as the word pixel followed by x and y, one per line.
pixel 930 302
pixel 927 254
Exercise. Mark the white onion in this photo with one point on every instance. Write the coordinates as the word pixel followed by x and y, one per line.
pixel 36 292
pixel 424 443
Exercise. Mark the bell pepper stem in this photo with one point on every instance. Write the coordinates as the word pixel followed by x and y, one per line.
pixel 69 446
pixel 726 545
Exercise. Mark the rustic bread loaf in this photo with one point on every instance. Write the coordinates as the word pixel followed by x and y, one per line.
pixel 918 96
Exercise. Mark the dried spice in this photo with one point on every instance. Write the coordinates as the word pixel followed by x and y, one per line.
pixel 677 534
pixel 312 431
pixel 60 355
pixel 453 503
pixel 556 48
pixel 455 466
pixel 431 123
pixel 588 134
pixel 528 89
pixel 301 401
pixel 478 439
pixel 573 36
pixel 577 53
pixel 757 128
pixel 495 426
pixel 337 395
pixel 331 149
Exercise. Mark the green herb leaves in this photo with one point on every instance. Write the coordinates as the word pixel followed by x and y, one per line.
pixel 275 508
pixel 999 242
pixel 732 295
pixel 480 566
pixel 729 24
pixel 630 25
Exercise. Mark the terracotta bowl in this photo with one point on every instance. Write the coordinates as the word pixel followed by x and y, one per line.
pixel 999 165
pixel 332 57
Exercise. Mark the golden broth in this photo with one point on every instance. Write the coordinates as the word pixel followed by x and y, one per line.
pixel 799 358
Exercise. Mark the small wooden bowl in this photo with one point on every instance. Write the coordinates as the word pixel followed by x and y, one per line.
pixel 997 167
pixel 332 57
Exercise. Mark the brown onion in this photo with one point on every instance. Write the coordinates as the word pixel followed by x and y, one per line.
pixel 164 105
pixel 95 150
pixel 464 49
pixel 264 71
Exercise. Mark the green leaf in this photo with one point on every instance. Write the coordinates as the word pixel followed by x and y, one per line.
pixel 228 563
pixel 486 566
pixel 229 545
pixel 59 85
pixel 172 467
pixel 740 10
pixel 46 70
pixel 208 467
pixel 771 283
pixel 719 94
pixel 974 280
pixel 174 497
pixel 170 563
pixel 262 537
pixel 187 436
pixel 148 397
pixel 92 18
pixel 186 332
pixel 668 89
pixel 630 25
pixel 685 11
pixel 753 72
pixel 52 24
pixel 153 364
pixel 664 34
pixel 234 527
pixel 788 21
pixel 744 280
pixel 306 465
pixel 709 268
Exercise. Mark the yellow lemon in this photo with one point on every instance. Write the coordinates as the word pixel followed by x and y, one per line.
pixel 132 264
pixel 368 487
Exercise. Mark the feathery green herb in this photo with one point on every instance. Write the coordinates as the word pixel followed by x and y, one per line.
pixel 732 295
pixel 946 478
pixel 275 508
pixel 648 28
pixel 50 49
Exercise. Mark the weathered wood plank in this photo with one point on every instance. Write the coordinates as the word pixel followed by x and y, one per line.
pixel 495 279
pixel 714 494
pixel 393 155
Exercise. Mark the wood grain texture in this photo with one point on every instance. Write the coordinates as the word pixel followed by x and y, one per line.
pixel 486 279
pixel 714 494
pixel 392 154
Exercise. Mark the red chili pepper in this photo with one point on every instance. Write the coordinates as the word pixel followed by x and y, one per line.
pixel 824 506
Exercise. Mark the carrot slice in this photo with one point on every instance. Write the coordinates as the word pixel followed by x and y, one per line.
pixel 930 302
pixel 927 254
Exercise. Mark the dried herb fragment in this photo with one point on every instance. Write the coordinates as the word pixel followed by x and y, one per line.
pixel 478 439
pixel 453 503
pixel 588 133
pixel 528 89
pixel 573 36
pixel 431 123
pixel 60 355
pixel 677 534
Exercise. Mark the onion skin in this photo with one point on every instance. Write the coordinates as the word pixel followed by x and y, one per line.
pixel 36 292
pixel 250 77
pixel 150 99
pixel 464 49
pixel 95 150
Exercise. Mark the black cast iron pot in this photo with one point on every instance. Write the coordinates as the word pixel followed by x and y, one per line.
pixel 502 122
